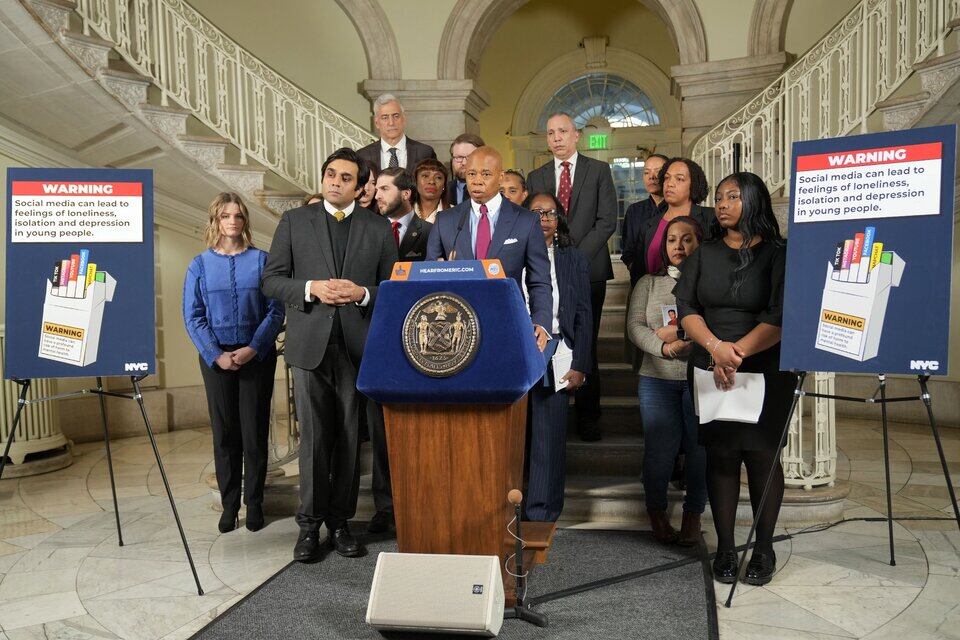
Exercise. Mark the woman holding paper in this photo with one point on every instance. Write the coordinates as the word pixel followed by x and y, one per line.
pixel 571 331
pixel 234 327
pixel 730 301
pixel 666 404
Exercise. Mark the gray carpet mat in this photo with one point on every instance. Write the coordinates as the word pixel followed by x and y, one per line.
pixel 328 600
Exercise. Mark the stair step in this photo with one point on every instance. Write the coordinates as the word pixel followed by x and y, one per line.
pixel 616 454
pixel 619 416
pixel 169 120
pixel 91 52
pixel 244 178
pixel 208 151
pixel 280 201
pixel 54 13
pixel 618 379
pixel 127 86
pixel 902 113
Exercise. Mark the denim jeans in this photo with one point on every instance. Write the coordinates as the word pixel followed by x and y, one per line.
pixel 670 427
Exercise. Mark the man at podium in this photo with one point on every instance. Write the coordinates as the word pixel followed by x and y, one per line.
pixel 488 226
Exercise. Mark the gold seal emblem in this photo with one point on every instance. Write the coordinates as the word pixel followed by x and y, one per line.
pixel 441 334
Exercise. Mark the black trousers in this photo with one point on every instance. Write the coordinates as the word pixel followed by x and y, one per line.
pixel 239 403
pixel 328 410
pixel 588 396
pixel 382 494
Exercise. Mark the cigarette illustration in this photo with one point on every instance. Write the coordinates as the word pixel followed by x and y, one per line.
pixel 855 295
pixel 73 310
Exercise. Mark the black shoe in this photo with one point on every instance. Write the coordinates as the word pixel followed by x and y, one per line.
pixel 345 543
pixel 307 548
pixel 228 521
pixel 725 567
pixel 254 517
pixel 381 522
pixel 761 567
pixel 589 431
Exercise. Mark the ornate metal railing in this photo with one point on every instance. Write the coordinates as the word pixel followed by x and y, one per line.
pixel 240 97
pixel 830 91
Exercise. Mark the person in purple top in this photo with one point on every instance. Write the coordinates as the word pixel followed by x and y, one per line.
pixel 234 327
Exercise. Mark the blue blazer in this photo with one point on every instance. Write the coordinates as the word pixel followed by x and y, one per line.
pixel 526 250
pixel 575 315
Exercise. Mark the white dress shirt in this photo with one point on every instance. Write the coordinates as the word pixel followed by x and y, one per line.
pixel 306 288
pixel 559 169
pixel 493 212
pixel 401 148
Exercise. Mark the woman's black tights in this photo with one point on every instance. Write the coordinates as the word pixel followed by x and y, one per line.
pixel 723 487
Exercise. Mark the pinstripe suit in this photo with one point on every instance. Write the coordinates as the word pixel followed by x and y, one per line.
pixel 548 409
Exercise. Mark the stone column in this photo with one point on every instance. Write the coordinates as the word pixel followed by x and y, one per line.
pixel 710 91
pixel 437 110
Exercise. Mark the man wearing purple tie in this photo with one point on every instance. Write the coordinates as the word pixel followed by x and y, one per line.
pixel 490 226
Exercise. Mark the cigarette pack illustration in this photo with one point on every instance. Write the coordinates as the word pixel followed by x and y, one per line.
pixel 73 315
pixel 855 294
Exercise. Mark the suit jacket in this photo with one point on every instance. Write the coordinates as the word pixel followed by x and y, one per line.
pixel 413 246
pixel 302 250
pixel 703 215
pixel 416 151
pixel 592 216
pixel 452 192
pixel 525 250
pixel 632 251
pixel 575 315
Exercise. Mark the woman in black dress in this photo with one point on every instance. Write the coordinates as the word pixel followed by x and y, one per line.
pixel 730 300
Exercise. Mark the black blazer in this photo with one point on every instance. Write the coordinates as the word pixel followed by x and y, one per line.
pixel 634 222
pixel 452 192
pixel 575 315
pixel 703 215
pixel 301 251
pixel 413 246
pixel 416 151
pixel 592 217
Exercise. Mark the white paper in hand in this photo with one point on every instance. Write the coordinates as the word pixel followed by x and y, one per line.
pixel 561 362
pixel 741 403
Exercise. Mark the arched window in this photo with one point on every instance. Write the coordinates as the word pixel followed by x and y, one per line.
pixel 620 102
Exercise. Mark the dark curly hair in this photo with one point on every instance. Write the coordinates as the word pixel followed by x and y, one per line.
pixel 698 180
pixel 563 231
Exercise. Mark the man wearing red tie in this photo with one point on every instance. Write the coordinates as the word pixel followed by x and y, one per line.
pixel 585 188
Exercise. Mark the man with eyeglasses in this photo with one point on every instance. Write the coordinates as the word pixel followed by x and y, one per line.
pixel 487 226
pixel 460 149
pixel 394 148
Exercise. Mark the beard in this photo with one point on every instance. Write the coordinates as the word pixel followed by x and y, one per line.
pixel 394 209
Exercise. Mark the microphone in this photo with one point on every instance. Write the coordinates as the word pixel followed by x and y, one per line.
pixel 453 252
pixel 515 497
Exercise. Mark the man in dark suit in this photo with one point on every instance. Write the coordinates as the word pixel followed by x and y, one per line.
pixel 585 188
pixel 490 226
pixel 394 148
pixel 394 199
pixel 460 149
pixel 325 263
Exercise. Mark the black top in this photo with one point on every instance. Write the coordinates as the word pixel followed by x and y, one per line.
pixel 339 234
pixel 631 238
pixel 705 288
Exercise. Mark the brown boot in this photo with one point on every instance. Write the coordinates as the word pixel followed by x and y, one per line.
pixel 689 530
pixel 663 531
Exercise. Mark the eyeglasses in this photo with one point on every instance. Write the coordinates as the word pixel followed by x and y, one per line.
pixel 549 215
pixel 460 159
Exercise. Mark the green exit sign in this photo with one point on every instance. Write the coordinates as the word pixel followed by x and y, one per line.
pixel 598 141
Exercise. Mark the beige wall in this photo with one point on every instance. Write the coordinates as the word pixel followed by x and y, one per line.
pixel 726 24
pixel 543 30
pixel 418 27
pixel 310 42
pixel 810 20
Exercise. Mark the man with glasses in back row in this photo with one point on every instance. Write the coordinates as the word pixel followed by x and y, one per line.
pixel 460 149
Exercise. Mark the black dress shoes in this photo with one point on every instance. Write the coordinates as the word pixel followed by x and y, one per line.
pixel 725 567
pixel 228 521
pixel 307 548
pixel 761 567
pixel 345 543
pixel 254 517
pixel 381 521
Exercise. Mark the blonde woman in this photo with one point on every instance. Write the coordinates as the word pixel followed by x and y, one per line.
pixel 234 327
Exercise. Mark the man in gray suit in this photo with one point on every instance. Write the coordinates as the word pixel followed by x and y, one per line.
pixel 585 188
pixel 325 263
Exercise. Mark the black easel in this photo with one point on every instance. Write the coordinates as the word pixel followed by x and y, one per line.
pixel 100 392
pixel 882 401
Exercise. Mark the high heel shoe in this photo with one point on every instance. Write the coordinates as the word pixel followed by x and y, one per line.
pixel 254 517
pixel 725 567
pixel 228 521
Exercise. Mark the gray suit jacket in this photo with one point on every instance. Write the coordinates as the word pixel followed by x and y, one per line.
pixel 416 151
pixel 593 210
pixel 302 250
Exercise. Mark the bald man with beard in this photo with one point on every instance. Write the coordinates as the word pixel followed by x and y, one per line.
pixel 489 226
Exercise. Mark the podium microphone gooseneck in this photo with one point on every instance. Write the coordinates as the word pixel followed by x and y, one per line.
pixel 520 611
pixel 453 252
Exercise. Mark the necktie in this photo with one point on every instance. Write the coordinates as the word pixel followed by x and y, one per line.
pixel 483 234
pixel 339 215
pixel 565 188
pixel 396 231
pixel 394 160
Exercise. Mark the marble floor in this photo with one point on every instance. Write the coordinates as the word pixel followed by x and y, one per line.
pixel 62 574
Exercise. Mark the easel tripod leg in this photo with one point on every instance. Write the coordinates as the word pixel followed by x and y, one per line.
pixel 106 443
pixel 886 463
pixel 766 487
pixel 927 402
pixel 21 402
pixel 163 475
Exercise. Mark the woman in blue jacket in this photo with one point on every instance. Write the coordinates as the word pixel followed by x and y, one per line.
pixel 234 327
